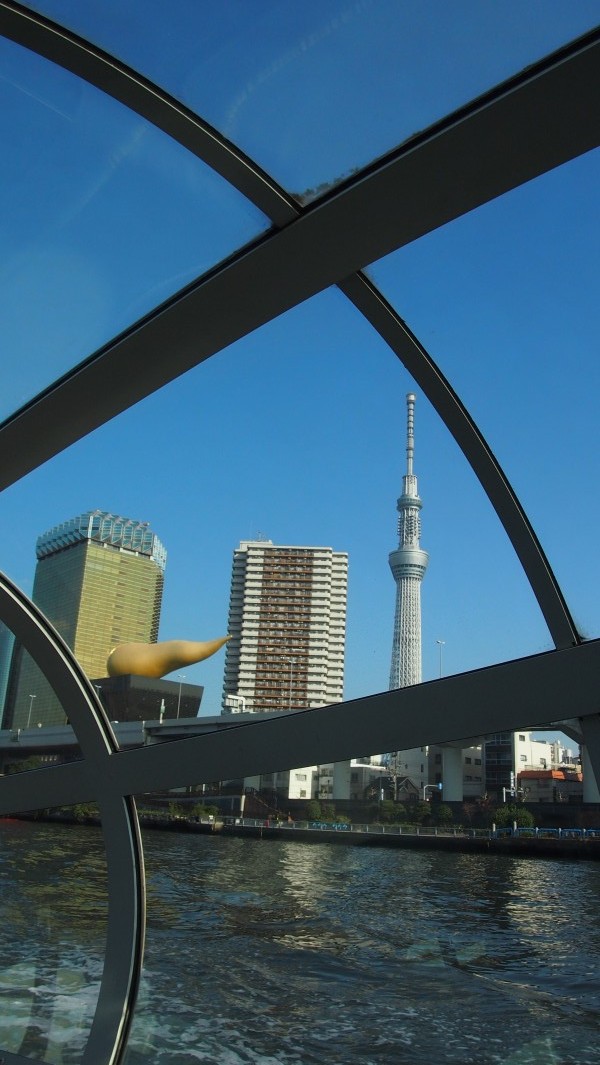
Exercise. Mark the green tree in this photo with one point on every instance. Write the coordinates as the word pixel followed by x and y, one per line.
pixel 419 813
pixel 313 810
pixel 387 811
pixel 442 813
pixel 201 810
pixel 505 815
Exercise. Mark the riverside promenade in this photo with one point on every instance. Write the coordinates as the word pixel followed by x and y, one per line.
pixel 563 843
pixel 569 843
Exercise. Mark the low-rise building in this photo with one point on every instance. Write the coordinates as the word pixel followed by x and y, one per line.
pixel 550 785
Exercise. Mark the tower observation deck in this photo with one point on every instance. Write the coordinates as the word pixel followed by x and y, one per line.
pixel 408 564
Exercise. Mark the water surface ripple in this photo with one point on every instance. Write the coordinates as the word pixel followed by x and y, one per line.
pixel 263 952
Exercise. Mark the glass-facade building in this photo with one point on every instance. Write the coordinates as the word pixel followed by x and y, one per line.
pixel 99 580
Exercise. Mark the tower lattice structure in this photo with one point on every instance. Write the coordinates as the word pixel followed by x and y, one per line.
pixel 408 564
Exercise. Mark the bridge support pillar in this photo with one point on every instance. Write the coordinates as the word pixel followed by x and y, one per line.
pixel 341 780
pixel 590 756
pixel 452 775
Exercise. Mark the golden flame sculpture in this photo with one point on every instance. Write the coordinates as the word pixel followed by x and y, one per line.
pixel 156 659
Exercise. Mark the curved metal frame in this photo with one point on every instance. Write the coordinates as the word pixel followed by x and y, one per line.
pixel 127 86
pixel 528 690
pixel 455 144
pixel 369 301
pixel 533 122
pixel 92 777
pixel 545 118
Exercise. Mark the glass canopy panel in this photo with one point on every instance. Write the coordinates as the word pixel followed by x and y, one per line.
pixel 314 91
pixel 104 218
pixel 52 951
pixel 54 886
pixel 300 433
pixel 28 704
pixel 506 302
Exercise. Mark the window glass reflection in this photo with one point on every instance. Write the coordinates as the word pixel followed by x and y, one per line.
pixel 296 434
pixel 53 874
pixel 252 948
pixel 505 300
pixel 35 727
pixel 105 218
pixel 298 87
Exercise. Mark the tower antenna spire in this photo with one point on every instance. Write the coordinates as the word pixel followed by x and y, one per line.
pixel 410 431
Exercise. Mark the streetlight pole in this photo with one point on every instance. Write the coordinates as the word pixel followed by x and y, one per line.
pixel 440 644
pixel 31 698
pixel 181 680
pixel 426 787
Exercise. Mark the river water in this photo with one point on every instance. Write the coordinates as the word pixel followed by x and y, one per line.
pixel 264 952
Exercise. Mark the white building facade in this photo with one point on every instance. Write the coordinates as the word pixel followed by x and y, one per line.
pixel 356 779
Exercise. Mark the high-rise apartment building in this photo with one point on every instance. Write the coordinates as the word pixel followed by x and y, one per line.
pixel 99 580
pixel 287 620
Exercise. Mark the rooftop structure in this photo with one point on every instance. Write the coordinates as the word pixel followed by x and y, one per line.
pixel 100 527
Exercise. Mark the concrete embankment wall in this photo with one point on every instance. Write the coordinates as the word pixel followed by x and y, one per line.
pixel 510 845
pixel 481 842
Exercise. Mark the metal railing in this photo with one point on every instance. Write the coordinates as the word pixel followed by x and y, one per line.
pixel 456 831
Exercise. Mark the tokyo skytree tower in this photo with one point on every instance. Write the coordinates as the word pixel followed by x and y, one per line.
pixel 408 564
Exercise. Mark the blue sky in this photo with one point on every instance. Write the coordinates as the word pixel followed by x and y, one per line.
pixel 297 432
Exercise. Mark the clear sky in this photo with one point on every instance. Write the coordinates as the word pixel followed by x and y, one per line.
pixel 297 432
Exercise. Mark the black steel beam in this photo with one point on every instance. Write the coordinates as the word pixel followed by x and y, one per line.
pixel 369 301
pixel 512 136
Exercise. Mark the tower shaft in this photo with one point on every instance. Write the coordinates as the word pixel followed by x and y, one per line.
pixel 408 564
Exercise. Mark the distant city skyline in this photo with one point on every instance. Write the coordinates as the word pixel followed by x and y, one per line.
pixel 222 452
